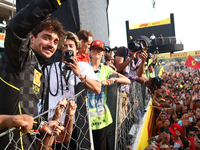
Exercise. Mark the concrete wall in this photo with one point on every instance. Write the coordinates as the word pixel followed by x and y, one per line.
pixel 93 17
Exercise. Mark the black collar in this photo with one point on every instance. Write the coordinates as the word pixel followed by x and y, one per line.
pixel 43 62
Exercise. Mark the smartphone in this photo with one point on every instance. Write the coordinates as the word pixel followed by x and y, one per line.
pixel 166 130
pixel 67 55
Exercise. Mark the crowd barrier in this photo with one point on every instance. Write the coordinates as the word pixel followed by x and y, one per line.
pixel 81 129
pixel 127 121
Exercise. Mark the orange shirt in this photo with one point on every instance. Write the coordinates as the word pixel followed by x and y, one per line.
pixel 83 57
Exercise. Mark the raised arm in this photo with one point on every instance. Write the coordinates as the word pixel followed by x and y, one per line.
pixel 120 63
pixel 20 27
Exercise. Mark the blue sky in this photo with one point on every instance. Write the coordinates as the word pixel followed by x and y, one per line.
pixel 186 16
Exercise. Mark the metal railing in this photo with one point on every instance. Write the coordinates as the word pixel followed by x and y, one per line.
pixel 163 40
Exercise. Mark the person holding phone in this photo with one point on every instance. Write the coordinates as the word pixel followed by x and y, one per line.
pixel 100 115
pixel 63 76
pixel 67 70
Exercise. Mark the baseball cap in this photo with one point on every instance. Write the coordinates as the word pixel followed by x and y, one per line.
pixel 175 127
pixel 168 91
pixel 145 39
pixel 162 99
pixel 98 43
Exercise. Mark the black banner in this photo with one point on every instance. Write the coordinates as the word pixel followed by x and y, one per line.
pixel 67 14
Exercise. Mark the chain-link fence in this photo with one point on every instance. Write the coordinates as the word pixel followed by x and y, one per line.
pixel 126 111
pixel 129 112
pixel 129 115
pixel 74 132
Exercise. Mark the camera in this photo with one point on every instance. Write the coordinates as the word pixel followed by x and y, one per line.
pixel 67 56
pixel 107 49
pixel 155 82
pixel 134 47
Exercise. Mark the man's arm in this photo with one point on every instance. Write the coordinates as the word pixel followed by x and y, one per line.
pixel 120 63
pixel 91 84
pixel 68 124
pixel 21 26
pixel 60 133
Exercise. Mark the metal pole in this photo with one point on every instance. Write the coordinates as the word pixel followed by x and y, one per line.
pixel 13 9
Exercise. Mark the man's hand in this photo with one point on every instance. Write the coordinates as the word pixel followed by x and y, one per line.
pixel 148 82
pixel 143 56
pixel 185 122
pixel 133 55
pixel 74 66
pixel 162 136
pixel 71 108
pixel 165 147
pixel 60 109
pixel 52 128
pixel 24 121
pixel 108 82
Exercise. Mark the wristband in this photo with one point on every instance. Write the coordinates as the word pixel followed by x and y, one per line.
pixel 129 59
pixel 144 82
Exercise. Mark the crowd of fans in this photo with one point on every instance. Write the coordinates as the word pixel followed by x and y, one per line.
pixel 29 85
pixel 177 112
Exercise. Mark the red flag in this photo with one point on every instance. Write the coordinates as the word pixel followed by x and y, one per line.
pixel 192 63
pixel 192 143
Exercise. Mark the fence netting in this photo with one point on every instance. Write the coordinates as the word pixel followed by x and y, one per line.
pixel 74 133
pixel 126 111
pixel 130 112
pixel 134 109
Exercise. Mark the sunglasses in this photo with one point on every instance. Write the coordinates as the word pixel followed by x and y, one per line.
pixel 98 49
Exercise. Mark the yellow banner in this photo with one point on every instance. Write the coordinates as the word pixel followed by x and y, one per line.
pixel 150 24
pixel 177 55
pixel 147 128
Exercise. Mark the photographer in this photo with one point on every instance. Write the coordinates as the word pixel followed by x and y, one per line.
pixel 131 61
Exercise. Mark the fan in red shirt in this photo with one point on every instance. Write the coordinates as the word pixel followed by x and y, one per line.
pixel 86 38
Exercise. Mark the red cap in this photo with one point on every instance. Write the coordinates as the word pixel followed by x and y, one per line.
pixel 98 43
pixel 175 127
pixel 168 91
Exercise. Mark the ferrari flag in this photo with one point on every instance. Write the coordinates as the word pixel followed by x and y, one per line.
pixel 192 63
